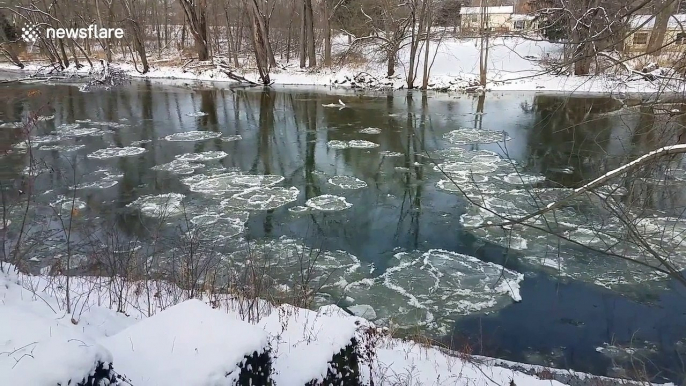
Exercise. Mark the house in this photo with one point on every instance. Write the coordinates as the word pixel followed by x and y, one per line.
pixel 498 18
pixel 641 26
pixel 523 23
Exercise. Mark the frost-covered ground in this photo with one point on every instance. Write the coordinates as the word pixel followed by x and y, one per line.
pixel 514 64
pixel 152 335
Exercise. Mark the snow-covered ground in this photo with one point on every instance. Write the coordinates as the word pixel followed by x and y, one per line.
pixel 152 335
pixel 514 64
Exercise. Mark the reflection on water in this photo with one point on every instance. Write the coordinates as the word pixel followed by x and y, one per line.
pixel 375 197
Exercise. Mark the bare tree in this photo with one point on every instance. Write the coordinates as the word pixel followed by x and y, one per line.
pixel 307 43
pixel 196 19
pixel 136 34
pixel 260 40
pixel 665 10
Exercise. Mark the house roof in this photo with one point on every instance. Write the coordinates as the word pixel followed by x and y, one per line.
pixel 648 22
pixel 507 9
pixel 516 17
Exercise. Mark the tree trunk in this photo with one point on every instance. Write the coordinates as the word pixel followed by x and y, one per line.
pixel 183 35
pixel 327 35
pixel 425 78
pixel 303 36
pixel 414 43
pixel 140 47
pixel 260 40
pixel 311 51
pixel 65 58
pixel 582 59
pixel 483 46
pixel 391 63
pixel 195 12
pixel 657 37
pixel 8 49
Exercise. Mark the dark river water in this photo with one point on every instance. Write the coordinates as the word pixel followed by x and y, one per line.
pixel 392 239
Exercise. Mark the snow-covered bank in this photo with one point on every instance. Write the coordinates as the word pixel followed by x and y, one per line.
pixel 150 333
pixel 515 64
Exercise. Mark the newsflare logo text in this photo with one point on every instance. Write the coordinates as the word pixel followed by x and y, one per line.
pixel 31 33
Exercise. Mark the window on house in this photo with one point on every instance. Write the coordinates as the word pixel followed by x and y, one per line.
pixel 681 38
pixel 519 24
pixel 641 38
pixel 474 18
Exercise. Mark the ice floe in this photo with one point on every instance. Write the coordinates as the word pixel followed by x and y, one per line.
pixel 362 144
pixel 73 130
pixel 352 144
pixel 193 136
pixel 231 138
pixel 11 125
pixel 197 114
pixel 114 152
pixel 214 226
pixel 347 182
pixel 370 130
pixel 387 153
pixel 211 155
pixel 160 205
pixel 432 288
pixel 99 179
pixel 44 139
pixel 62 148
pixel 465 168
pixel 284 261
pixel 466 136
pixel 336 144
pixel 574 240
pixel 262 198
pixel 523 179
pixel 328 203
pixel 179 167
pixel 232 182
pixel 68 206
pixel 299 209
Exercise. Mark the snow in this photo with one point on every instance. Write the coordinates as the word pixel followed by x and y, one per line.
pixel 187 344
pixel 39 343
pixel 33 342
pixel 520 17
pixel 305 341
pixel 172 341
pixel 514 64
pixel 363 311
pixel 399 361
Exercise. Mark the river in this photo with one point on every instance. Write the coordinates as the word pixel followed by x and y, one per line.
pixel 350 197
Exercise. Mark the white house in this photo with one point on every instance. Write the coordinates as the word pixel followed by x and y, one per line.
pixel 498 18
pixel 641 26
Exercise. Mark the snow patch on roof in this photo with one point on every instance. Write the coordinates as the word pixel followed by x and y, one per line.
pixel 648 22
pixel 507 9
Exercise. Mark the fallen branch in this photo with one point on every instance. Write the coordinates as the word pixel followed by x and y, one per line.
pixel 223 67
pixel 638 162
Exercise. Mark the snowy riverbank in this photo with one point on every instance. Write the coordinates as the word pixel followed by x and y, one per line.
pixel 515 64
pixel 150 333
